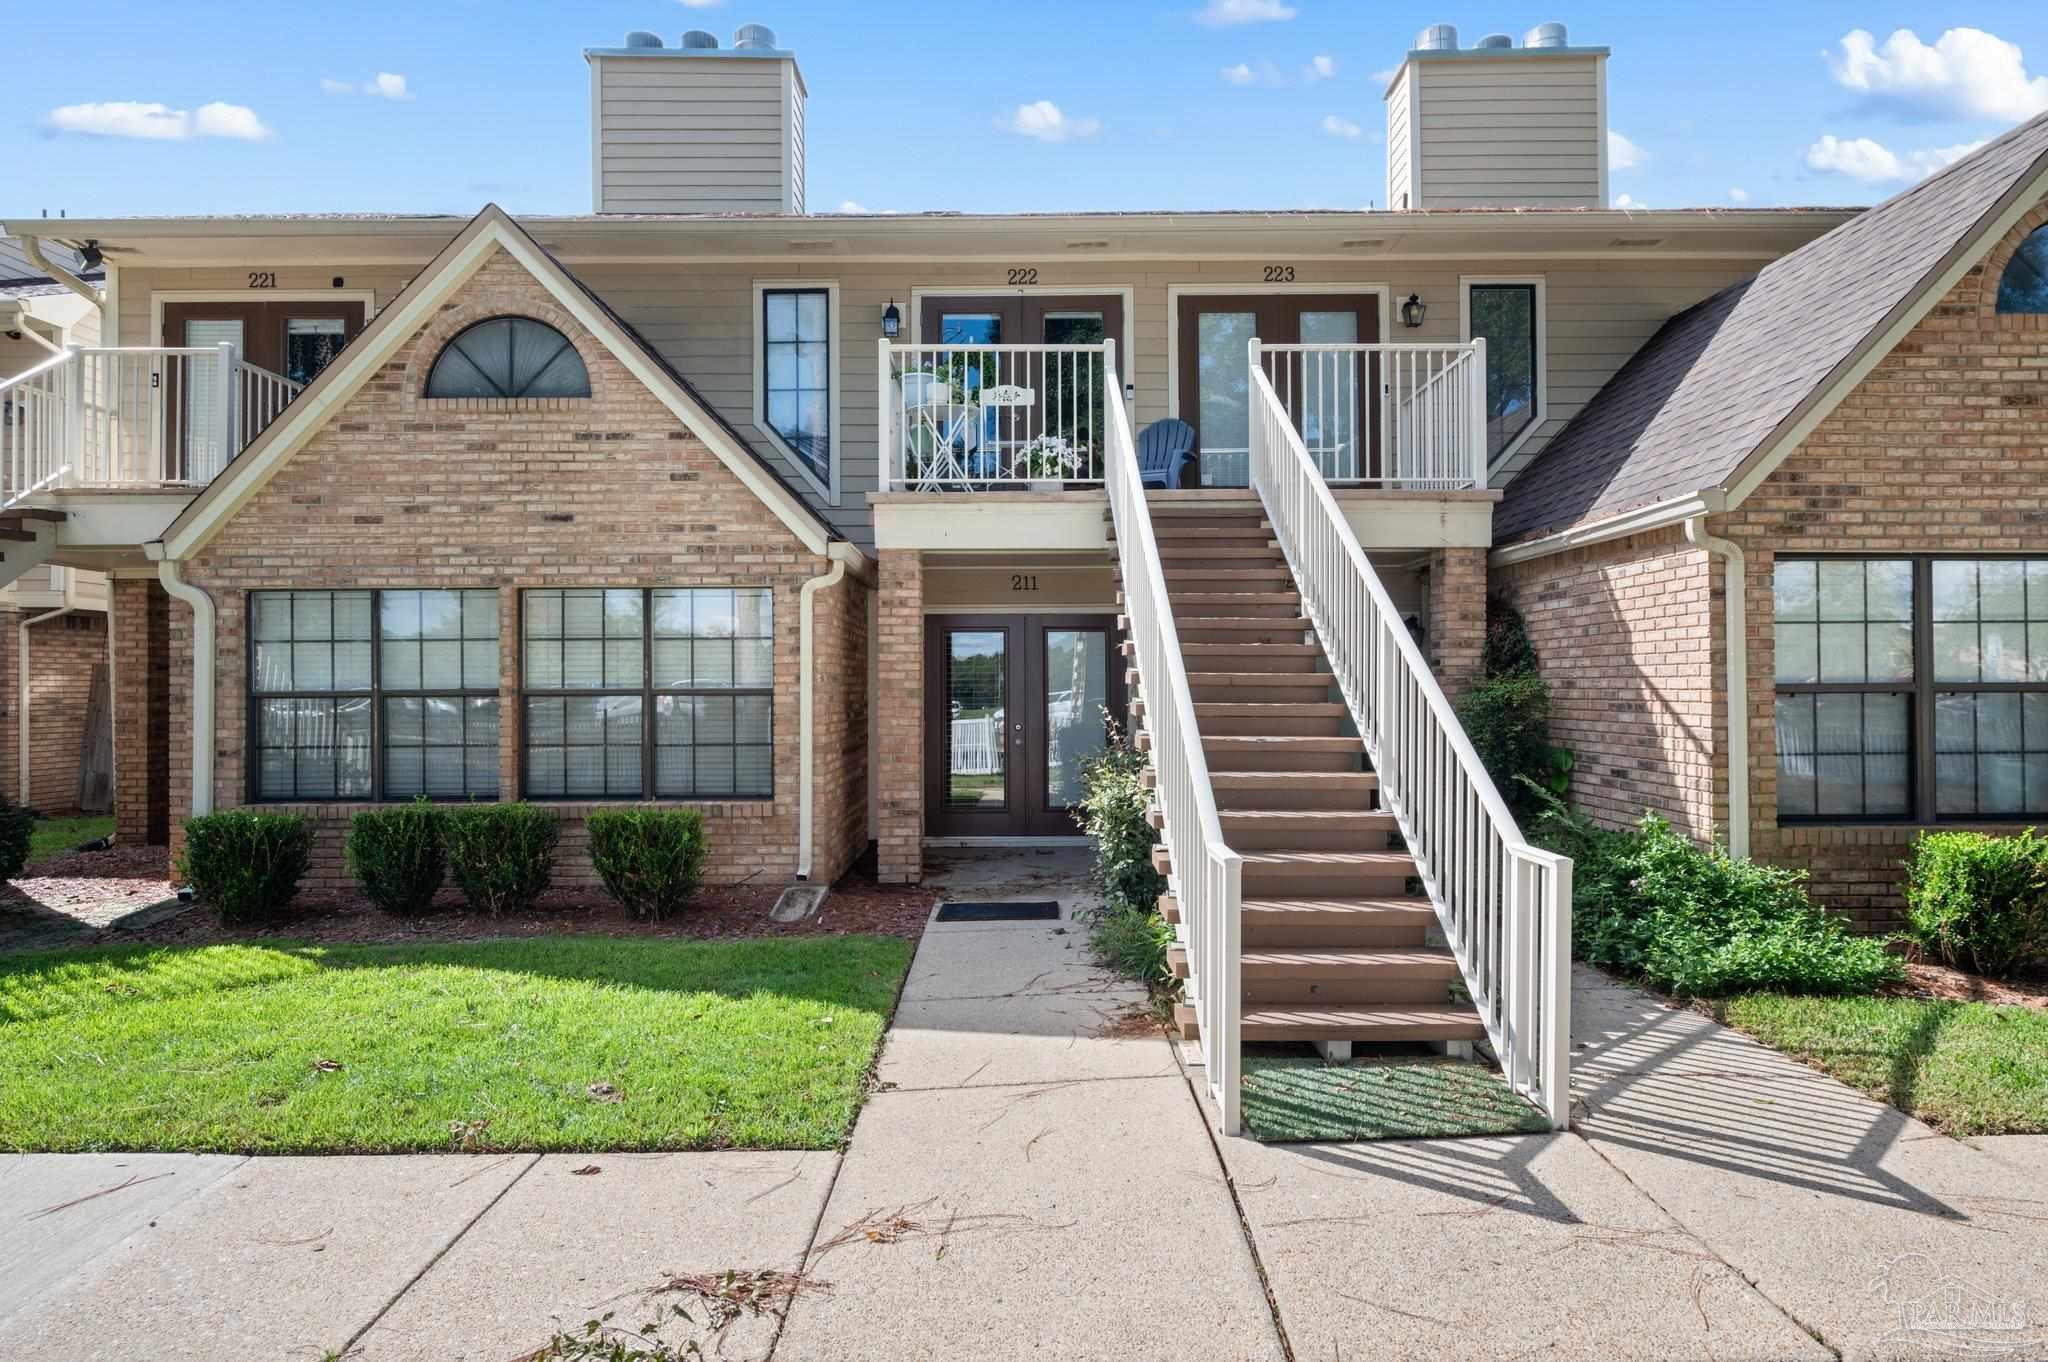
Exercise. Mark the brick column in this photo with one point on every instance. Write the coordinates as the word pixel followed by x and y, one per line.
pixel 1457 616
pixel 139 614
pixel 899 701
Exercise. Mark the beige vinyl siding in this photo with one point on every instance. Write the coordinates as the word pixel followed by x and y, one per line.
pixel 139 285
pixel 1399 153
pixel 19 356
pixel 1520 132
pixel 683 135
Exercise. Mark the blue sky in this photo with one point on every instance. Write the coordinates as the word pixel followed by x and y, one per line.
pixel 442 105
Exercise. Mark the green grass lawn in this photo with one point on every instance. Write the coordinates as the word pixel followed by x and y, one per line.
pixel 484 1045
pixel 55 836
pixel 1966 1068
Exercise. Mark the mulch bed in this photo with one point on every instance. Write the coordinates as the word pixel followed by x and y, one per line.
pixel 855 905
pixel 1924 979
pixel 95 885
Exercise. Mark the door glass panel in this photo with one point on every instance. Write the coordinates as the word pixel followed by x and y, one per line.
pixel 203 454
pixel 977 662
pixel 1329 394
pixel 1076 692
pixel 1223 396
pixel 972 432
pixel 310 345
pixel 1073 391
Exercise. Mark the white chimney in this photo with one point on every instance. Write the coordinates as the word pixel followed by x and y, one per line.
pixel 1498 125
pixel 696 128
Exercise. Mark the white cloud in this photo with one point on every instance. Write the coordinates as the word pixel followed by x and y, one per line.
pixel 1864 158
pixel 1966 71
pixel 1385 77
pixel 849 206
pixel 1341 127
pixel 330 86
pixel 159 122
pixel 383 85
pixel 1245 73
pixel 1622 154
pixel 1628 201
pixel 1229 13
pixel 1738 195
pixel 702 4
pixel 1044 121
pixel 1320 68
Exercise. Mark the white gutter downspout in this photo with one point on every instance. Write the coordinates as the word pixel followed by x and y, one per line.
pixel 807 742
pixel 202 676
pixel 23 325
pixel 1734 587
pixel 33 249
pixel 21 732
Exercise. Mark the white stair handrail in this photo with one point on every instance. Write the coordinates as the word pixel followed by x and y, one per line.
pixel 1207 878
pixel 1504 905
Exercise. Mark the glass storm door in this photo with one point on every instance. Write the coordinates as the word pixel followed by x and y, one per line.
pixel 1017 706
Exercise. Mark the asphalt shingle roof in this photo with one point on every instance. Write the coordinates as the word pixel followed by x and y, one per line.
pixel 22 278
pixel 1715 381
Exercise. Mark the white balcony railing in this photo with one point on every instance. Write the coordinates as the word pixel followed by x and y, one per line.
pixel 155 416
pixel 1505 906
pixel 992 417
pixel 1396 415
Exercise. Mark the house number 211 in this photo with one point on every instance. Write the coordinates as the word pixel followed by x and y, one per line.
pixel 1023 581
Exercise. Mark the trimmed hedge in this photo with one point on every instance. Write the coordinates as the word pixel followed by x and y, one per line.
pixel 17 833
pixel 650 860
pixel 397 856
pixel 1979 902
pixel 502 856
pixel 246 864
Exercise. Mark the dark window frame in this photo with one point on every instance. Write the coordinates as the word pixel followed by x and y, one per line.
pixel 768 390
pixel 376 696
pixel 1537 400
pixel 648 694
pixel 428 394
pixel 1922 691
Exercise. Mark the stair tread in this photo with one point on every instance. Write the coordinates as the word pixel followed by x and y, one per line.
pixel 1304 743
pixel 1305 680
pixel 1365 1016
pixel 1319 858
pixel 1307 815
pixel 1402 907
pixel 1275 709
pixel 1261 780
pixel 1360 957
pixel 1251 649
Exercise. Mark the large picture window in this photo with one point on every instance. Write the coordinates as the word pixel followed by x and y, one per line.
pixel 796 379
pixel 1507 315
pixel 649 694
pixel 1911 689
pixel 373 695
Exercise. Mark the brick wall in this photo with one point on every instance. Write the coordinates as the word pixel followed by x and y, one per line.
pixel 839 819
pixel 138 613
pixel 1457 616
pixel 63 655
pixel 899 691
pixel 401 492
pixel 1626 636
pixel 1943 448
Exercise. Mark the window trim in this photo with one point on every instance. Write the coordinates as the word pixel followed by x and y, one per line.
pixel 648 693
pixel 427 393
pixel 1920 691
pixel 1466 283
pixel 252 775
pixel 829 487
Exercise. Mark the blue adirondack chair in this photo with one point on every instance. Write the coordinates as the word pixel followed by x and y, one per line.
pixel 1165 451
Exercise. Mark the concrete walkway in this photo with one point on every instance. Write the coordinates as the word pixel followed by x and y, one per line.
pixel 1036 1178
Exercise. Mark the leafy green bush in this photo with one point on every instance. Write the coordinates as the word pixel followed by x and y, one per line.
pixel 1650 903
pixel 397 856
pixel 502 856
pixel 246 863
pixel 1508 650
pixel 1127 933
pixel 1979 902
pixel 1508 720
pixel 17 831
pixel 649 859
pixel 1132 941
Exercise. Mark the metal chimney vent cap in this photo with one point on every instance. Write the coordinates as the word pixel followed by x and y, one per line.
pixel 640 37
pixel 697 40
pixel 1494 42
pixel 1438 38
pixel 1546 35
pixel 751 37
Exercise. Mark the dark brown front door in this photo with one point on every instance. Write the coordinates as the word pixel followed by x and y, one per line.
pixel 1332 403
pixel 294 339
pixel 1067 388
pixel 1015 705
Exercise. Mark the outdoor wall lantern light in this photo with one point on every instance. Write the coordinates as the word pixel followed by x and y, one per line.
pixel 892 320
pixel 1414 310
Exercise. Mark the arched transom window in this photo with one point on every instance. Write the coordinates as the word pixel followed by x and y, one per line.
pixel 2024 285
pixel 509 357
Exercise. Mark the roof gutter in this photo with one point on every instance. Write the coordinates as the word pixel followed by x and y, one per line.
pixel 33 249
pixel 1735 587
pixel 1661 515
pixel 22 324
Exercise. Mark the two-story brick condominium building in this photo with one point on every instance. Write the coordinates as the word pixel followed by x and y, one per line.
pixel 819 521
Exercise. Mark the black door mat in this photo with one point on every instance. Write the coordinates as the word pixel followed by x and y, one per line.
pixel 1011 910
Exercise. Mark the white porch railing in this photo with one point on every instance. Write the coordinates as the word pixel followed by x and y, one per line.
pixel 988 417
pixel 1207 875
pixel 1390 415
pixel 105 417
pixel 1505 906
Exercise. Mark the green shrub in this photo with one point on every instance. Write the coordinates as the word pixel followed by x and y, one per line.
pixel 501 856
pixel 17 831
pixel 245 863
pixel 397 856
pixel 1132 941
pixel 1508 720
pixel 1507 651
pixel 1979 902
pixel 1126 933
pixel 1652 904
pixel 649 859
